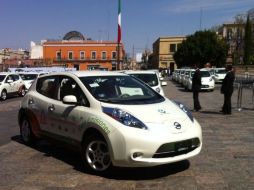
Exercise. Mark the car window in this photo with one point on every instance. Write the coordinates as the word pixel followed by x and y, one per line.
pixel 68 86
pixel 205 74
pixel 2 77
pixel 48 86
pixel 28 76
pixel 150 79
pixel 9 78
pixel 15 77
pixel 120 90
pixel 221 71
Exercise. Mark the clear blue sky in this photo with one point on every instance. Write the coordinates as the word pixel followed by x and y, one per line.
pixel 143 21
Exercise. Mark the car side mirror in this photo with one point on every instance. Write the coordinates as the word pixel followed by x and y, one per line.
pixel 164 83
pixel 70 99
pixel 9 81
pixel 161 78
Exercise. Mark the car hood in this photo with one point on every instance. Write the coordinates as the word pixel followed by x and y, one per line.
pixel 153 113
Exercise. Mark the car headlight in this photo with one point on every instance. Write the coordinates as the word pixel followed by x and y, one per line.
pixel 184 109
pixel 210 79
pixel 124 117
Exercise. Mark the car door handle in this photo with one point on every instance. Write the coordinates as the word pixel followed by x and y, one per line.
pixel 51 108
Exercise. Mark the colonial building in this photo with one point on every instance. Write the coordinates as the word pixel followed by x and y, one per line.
pixel 83 54
pixel 163 51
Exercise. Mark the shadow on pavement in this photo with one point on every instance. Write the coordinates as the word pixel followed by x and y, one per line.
pixel 73 158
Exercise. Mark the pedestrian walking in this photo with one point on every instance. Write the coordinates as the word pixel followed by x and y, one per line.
pixel 227 89
pixel 196 86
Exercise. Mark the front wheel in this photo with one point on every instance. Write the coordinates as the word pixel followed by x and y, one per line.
pixel 3 95
pixel 96 154
pixel 26 133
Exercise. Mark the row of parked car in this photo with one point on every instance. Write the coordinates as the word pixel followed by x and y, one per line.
pixel 15 83
pixel 208 77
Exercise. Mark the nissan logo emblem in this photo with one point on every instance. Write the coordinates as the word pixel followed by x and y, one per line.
pixel 177 125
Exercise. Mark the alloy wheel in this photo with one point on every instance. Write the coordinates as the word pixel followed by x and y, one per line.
pixel 97 155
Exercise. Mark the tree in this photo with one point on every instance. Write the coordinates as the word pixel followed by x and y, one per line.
pixel 201 48
pixel 247 42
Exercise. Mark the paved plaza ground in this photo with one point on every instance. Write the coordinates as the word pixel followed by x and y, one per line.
pixel 225 162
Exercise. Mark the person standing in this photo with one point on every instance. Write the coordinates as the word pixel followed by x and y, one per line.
pixel 227 89
pixel 196 86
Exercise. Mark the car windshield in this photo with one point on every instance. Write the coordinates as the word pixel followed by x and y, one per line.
pixel 149 78
pixel 205 74
pixel 192 73
pixel 28 76
pixel 120 90
pixel 221 71
pixel 2 77
pixel 187 73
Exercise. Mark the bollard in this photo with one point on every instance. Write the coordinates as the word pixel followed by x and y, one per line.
pixel 253 95
pixel 239 102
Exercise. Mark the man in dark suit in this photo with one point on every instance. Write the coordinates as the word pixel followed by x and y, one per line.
pixel 227 89
pixel 196 86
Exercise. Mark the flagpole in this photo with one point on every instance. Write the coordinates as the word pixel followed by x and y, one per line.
pixel 119 35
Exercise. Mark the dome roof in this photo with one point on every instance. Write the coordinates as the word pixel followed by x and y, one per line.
pixel 73 35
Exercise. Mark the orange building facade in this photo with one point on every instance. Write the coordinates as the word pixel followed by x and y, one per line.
pixel 83 54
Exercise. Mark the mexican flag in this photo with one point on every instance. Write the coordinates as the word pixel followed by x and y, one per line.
pixel 119 36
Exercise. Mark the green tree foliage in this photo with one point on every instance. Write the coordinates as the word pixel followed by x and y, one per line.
pixel 201 48
pixel 247 42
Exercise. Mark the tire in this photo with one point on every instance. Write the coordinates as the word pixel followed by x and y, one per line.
pixel 26 132
pixel 95 154
pixel 22 92
pixel 3 95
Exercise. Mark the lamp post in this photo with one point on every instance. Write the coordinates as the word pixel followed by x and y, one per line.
pixel 4 59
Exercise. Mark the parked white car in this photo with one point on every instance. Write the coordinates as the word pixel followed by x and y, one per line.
pixel 11 84
pixel 149 77
pixel 219 74
pixel 113 118
pixel 207 81
pixel 29 78
pixel 188 80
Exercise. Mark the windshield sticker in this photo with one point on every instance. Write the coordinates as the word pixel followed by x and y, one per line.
pixel 100 123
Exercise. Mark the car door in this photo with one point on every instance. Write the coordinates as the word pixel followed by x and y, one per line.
pixel 66 119
pixel 9 84
pixel 38 102
pixel 17 83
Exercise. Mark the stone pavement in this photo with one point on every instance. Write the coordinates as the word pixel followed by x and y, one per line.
pixel 225 162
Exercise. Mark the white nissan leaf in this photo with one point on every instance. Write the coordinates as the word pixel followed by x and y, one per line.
pixel 112 118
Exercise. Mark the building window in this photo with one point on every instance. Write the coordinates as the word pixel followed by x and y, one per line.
pixel 82 55
pixel 58 55
pixel 70 55
pixel 93 55
pixel 113 54
pixel 103 55
pixel 172 48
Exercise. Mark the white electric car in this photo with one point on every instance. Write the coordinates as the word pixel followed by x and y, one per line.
pixel 11 84
pixel 29 78
pixel 149 77
pixel 113 118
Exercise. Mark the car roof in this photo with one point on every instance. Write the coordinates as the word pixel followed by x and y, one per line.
pixel 88 73
pixel 7 73
pixel 139 72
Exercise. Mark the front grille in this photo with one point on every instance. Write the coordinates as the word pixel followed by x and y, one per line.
pixel 177 148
